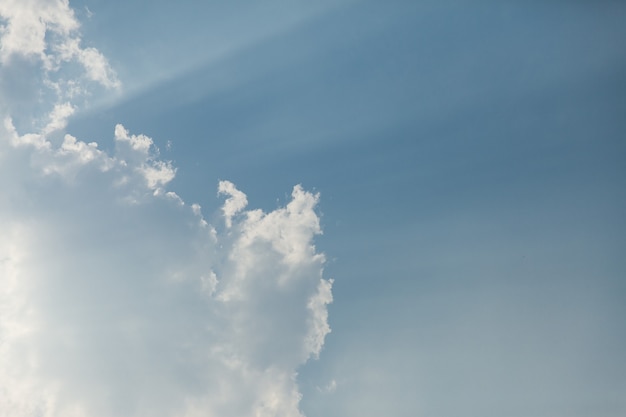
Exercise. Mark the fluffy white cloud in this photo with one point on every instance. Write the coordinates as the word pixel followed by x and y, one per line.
pixel 117 298
pixel 27 23
pixel 42 63
pixel 46 30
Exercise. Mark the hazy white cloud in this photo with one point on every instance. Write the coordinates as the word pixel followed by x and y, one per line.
pixel 328 388
pixel 117 298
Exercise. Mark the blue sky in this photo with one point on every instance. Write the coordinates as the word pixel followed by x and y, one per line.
pixel 469 160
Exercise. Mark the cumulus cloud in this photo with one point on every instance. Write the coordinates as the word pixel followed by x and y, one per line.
pixel 117 298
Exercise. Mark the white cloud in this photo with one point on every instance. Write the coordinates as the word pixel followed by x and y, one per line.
pixel 47 30
pixel 96 65
pixel 140 151
pixel 27 22
pixel 120 301
pixel 236 201
pixel 117 298
pixel 43 65
pixel 58 117
pixel 140 143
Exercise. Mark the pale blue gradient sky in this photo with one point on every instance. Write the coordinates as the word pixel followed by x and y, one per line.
pixel 471 162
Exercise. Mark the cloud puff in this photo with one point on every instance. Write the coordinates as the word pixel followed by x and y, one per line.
pixel 117 298
pixel 42 62
pixel 47 30
pixel 235 202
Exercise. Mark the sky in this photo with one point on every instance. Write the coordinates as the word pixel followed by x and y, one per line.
pixel 325 209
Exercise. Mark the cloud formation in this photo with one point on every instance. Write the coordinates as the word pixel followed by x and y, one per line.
pixel 117 297
pixel 43 63
pixel 28 23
